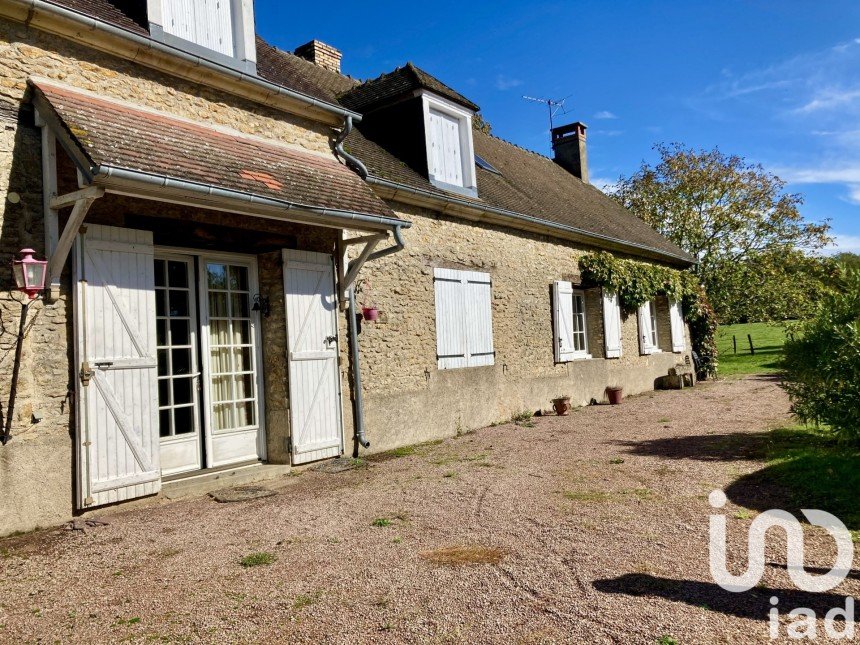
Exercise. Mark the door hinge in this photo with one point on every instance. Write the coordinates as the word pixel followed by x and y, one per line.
pixel 89 501
pixel 86 373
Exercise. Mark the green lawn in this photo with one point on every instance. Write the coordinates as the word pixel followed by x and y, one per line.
pixel 813 469
pixel 767 340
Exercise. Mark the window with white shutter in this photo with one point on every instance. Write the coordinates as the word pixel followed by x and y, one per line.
pixel 221 30
pixel 612 324
pixel 648 341
pixel 464 319
pixel 569 323
pixel 450 148
pixel 676 317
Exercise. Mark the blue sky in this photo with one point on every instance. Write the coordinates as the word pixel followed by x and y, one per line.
pixel 776 81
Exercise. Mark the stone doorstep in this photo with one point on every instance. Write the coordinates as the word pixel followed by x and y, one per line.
pixel 207 482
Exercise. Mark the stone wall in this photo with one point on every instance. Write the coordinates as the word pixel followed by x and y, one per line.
pixel 25 52
pixel 408 399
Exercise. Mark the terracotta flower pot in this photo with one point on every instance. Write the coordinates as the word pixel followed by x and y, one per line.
pixel 561 406
pixel 370 313
pixel 615 395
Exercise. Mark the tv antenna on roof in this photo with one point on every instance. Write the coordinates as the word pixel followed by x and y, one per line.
pixel 553 106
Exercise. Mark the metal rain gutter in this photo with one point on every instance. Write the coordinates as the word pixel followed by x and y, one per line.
pixel 402 188
pixel 104 173
pixel 86 23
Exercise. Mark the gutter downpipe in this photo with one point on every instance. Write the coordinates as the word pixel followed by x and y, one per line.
pixel 358 396
pixel 350 161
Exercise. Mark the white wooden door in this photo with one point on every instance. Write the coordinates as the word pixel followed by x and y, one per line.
pixel 312 348
pixel 118 446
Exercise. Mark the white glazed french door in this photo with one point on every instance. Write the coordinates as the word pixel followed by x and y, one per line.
pixel 231 351
pixel 178 370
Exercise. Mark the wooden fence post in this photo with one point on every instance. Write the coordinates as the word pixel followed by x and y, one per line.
pixel 735 343
pixel 752 349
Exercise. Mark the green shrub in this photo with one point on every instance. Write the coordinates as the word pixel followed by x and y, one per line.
pixel 822 361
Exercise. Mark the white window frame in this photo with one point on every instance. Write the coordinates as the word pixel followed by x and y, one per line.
pixel 462 322
pixel 649 345
pixel 244 35
pixel 581 354
pixel 467 145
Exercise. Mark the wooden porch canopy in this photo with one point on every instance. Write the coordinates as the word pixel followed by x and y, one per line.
pixel 131 150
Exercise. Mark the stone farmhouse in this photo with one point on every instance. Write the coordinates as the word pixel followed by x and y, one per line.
pixel 217 214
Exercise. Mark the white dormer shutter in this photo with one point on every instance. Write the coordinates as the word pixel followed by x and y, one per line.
pixel 208 23
pixel 562 321
pixel 612 324
pixel 676 316
pixel 446 159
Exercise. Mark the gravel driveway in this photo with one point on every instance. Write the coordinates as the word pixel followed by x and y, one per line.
pixel 590 528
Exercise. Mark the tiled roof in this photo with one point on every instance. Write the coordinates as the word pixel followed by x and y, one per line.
pixel 284 68
pixel 400 82
pixel 528 184
pixel 116 134
pixel 127 14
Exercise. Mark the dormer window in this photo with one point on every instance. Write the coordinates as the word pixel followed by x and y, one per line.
pixel 219 30
pixel 450 151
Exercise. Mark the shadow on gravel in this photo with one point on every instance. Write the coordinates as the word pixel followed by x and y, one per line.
pixel 754 604
pixel 738 446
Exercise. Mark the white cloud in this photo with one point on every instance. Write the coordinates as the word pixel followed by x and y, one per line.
pixel 603 183
pixel 506 82
pixel 608 133
pixel 844 244
pixel 849 175
pixel 605 114
pixel 830 98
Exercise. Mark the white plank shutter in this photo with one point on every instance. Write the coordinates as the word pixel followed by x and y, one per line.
pixel 312 345
pixel 445 148
pixel 208 23
pixel 450 321
pixel 562 296
pixel 479 319
pixel 464 319
pixel 647 332
pixel 676 316
pixel 612 324
pixel 118 449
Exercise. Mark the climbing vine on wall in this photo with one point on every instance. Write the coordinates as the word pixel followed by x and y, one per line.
pixel 637 282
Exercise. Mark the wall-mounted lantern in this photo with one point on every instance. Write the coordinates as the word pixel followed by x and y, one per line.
pixel 29 276
pixel 262 304
pixel 29 273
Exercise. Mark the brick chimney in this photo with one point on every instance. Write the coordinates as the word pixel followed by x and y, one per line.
pixel 321 54
pixel 568 144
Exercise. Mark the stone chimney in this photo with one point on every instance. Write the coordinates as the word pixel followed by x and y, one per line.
pixel 321 54
pixel 568 144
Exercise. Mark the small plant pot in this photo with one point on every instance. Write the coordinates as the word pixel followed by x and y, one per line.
pixel 615 395
pixel 370 313
pixel 561 406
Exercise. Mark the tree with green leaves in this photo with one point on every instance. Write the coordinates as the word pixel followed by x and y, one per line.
pixel 755 251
